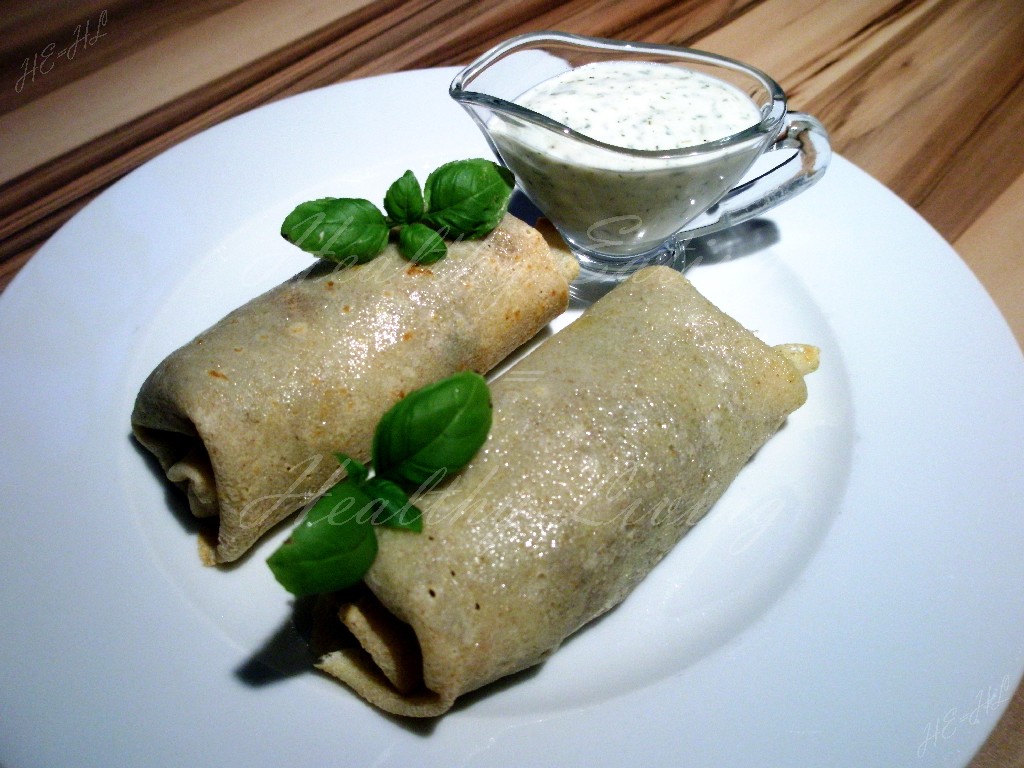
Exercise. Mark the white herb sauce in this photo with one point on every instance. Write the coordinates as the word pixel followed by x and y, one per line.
pixel 612 200
pixel 637 105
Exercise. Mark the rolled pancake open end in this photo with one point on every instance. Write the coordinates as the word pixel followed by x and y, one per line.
pixel 245 417
pixel 610 441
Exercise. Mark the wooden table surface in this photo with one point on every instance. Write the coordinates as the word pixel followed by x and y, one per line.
pixel 925 95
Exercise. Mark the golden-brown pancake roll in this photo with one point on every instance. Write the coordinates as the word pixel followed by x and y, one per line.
pixel 245 418
pixel 609 442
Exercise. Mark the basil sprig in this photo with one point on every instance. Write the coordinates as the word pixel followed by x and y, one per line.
pixel 342 229
pixel 404 200
pixel 429 434
pixel 332 547
pixel 463 199
pixel 433 431
pixel 421 244
pixel 467 198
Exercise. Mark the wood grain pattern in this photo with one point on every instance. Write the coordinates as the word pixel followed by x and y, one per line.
pixel 926 95
pixel 891 80
pixel 860 71
pixel 994 247
pixel 66 172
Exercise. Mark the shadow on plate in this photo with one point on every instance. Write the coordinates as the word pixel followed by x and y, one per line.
pixel 312 631
pixel 740 240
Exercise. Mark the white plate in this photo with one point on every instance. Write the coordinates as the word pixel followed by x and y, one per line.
pixel 853 600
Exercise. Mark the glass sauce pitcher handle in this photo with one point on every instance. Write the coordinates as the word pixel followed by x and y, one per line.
pixel 802 133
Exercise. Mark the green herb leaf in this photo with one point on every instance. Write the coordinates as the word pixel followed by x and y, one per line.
pixel 396 510
pixel 404 200
pixel 343 229
pixel 333 546
pixel 357 471
pixel 433 431
pixel 467 198
pixel 461 199
pixel 420 244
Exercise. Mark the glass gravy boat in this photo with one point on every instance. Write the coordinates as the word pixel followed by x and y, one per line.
pixel 621 208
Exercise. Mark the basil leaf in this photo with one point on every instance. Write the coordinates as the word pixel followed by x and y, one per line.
pixel 434 430
pixel 420 244
pixel 395 509
pixel 357 471
pixel 333 546
pixel 467 198
pixel 343 229
pixel 404 200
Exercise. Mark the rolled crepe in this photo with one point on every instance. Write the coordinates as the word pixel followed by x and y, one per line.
pixel 609 442
pixel 245 417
